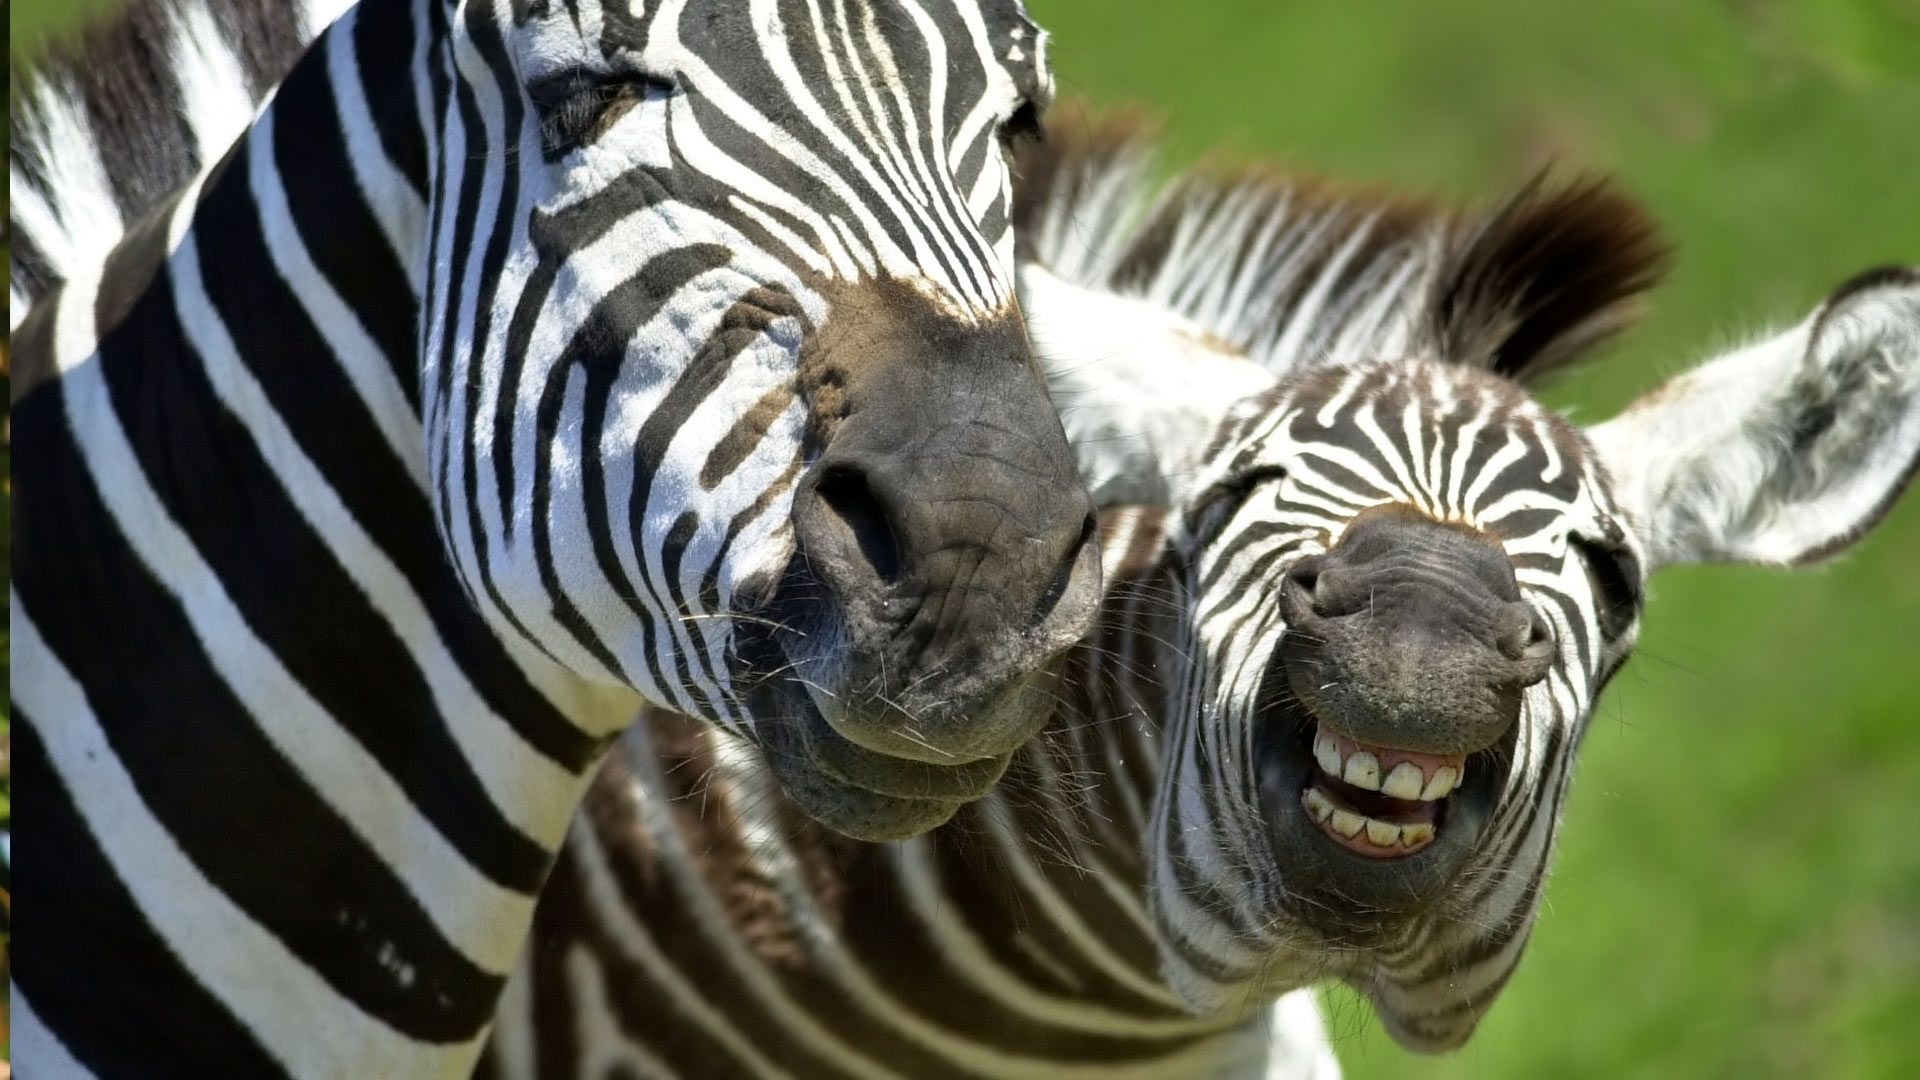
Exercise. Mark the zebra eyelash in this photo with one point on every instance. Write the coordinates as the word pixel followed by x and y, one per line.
pixel 1214 506
pixel 1617 591
pixel 1023 126
pixel 576 106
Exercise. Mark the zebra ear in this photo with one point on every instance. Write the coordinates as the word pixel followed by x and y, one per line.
pixel 1140 389
pixel 1787 450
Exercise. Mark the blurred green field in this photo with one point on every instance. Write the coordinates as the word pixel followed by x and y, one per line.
pixel 1738 891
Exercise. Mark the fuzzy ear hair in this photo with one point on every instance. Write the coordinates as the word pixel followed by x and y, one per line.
pixel 1787 450
pixel 1543 278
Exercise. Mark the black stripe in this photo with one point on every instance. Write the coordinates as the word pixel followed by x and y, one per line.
pixel 337 645
pixel 130 267
pixel 265 38
pixel 238 809
pixel 34 364
pixel 708 827
pixel 383 39
pixel 337 226
pixel 597 351
pixel 134 109
pixel 96 973
pixel 742 324
pixel 32 274
pixel 454 423
pixel 885 936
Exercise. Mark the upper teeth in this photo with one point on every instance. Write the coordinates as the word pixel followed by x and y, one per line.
pixel 1361 768
pixel 1404 782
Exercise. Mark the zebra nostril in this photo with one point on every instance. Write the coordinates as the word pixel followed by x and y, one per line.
pixel 847 493
pixel 1526 638
pixel 1299 591
pixel 1063 574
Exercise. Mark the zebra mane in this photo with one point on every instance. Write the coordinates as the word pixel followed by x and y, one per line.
pixel 1292 271
pixel 111 121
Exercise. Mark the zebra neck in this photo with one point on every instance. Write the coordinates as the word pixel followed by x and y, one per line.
pixel 294 756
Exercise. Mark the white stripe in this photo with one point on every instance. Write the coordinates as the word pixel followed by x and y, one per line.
pixel 763 836
pixel 317 15
pixel 214 96
pixel 539 794
pixel 312 1029
pixel 606 1051
pixel 963 950
pixel 36 1051
pixel 611 913
pixel 398 209
pixel 477 916
pixel 715 926
pixel 359 357
pixel 74 221
pixel 513 1041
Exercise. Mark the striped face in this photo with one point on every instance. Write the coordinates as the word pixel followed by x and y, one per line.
pixel 726 394
pixel 1407 584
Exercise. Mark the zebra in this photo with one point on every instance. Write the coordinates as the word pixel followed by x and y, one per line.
pixel 1327 724
pixel 521 363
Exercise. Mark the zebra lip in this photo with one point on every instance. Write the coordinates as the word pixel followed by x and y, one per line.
pixel 849 763
pixel 789 734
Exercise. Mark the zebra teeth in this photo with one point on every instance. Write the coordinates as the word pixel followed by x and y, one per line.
pixel 1382 833
pixel 1362 833
pixel 1404 782
pixel 1408 775
pixel 1318 804
pixel 1444 780
pixel 1346 822
pixel 1363 771
pixel 1326 751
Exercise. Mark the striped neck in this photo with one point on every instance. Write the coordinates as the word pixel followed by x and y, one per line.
pixel 341 849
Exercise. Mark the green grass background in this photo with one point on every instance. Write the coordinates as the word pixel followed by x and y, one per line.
pixel 1738 891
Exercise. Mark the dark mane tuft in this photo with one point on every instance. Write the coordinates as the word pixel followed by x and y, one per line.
pixel 1298 272
pixel 1544 277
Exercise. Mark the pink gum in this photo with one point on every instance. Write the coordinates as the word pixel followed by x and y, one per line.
pixel 1428 764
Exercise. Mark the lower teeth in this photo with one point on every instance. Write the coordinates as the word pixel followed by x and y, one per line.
pixel 1352 826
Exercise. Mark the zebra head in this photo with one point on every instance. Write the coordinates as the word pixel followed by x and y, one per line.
pixel 1406 582
pixel 727 396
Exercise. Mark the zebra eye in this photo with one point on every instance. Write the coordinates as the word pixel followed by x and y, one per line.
pixel 1615 574
pixel 1023 125
pixel 1211 509
pixel 576 107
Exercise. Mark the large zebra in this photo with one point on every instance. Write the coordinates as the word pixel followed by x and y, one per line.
pixel 523 362
pixel 1328 723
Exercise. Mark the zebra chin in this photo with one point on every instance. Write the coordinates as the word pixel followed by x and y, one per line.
pixel 878 763
pixel 852 790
